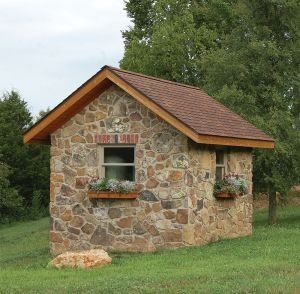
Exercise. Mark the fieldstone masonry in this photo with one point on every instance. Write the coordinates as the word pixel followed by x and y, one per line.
pixel 174 176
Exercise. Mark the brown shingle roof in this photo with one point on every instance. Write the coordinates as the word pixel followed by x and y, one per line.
pixel 193 107
pixel 187 108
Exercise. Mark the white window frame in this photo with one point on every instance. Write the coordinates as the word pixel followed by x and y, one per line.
pixel 224 164
pixel 101 157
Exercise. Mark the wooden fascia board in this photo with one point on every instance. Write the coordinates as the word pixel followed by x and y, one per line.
pixel 230 141
pixel 143 99
pixel 31 134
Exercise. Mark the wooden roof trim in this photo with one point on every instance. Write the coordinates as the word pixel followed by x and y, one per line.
pixel 58 112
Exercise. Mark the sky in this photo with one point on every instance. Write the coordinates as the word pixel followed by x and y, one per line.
pixel 48 48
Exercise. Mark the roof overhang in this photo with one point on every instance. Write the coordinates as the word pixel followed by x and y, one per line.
pixel 41 131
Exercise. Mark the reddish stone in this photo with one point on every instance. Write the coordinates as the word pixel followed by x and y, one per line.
pixel 161 157
pixel 125 222
pixel 150 171
pixel 135 116
pixel 151 183
pixel 175 176
pixel 81 182
pixel 182 216
pixel 159 166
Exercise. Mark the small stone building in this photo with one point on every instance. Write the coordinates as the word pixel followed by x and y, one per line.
pixel 172 139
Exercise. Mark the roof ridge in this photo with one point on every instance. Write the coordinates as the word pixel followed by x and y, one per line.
pixel 154 78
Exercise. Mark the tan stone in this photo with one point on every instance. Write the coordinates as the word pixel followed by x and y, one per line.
pixel 66 215
pixel 77 221
pixel 173 235
pixel 88 229
pixel 55 177
pixel 77 139
pixel 56 237
pixel 100 115
pixel 94 258
pixel 89 117
pixel 151 183
pixel 169 214
pixel 114 212
pixel 189 234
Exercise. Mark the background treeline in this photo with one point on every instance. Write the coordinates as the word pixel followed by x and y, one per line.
pixel 242 52
pixel 245 53
pixel 24 169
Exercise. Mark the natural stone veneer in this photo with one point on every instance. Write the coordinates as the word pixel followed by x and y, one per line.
pixel 174 176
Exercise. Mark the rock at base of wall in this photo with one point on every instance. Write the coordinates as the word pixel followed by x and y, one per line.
pixel 94 258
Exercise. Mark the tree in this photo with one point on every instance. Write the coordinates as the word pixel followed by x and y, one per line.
pixel 29 164
pixel 10 201
pixel 244 53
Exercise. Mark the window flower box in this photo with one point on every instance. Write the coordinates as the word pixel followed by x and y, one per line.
pixel 111 195
pixel 231 186
pixel 225 195
pixel 111 189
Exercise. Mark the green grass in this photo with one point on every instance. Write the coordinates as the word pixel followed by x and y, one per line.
pixel 267 262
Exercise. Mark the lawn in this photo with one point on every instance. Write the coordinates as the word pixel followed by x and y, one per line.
pixel 267 262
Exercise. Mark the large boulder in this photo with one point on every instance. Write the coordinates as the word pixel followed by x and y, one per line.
pixel 94 258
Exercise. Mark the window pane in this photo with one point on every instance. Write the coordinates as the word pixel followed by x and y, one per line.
pixel 219 157
pixel 220 173
pixel 120 172
pixel 118 155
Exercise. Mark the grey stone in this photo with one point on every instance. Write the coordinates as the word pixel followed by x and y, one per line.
pixel 147 195
pixel 138 228
pixel 100 237
pixel 74 230
pixel 199 204
pixel 170 204
pixel 78 209
pixel 162 142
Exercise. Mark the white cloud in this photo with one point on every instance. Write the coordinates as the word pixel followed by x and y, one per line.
pixel 48 48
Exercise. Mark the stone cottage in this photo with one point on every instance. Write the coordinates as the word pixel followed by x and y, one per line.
pixel 172 139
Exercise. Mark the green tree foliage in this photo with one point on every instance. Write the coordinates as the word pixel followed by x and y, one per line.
pixel 29 164
pixel 244 53
pixel 10 201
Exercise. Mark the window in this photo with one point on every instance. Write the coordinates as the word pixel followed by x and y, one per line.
pixel 118 162
pixel 220 164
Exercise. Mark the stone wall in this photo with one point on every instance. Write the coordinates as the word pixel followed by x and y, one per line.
pixel 174 177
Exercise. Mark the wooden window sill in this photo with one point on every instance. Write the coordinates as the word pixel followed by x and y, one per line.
pixel 111 195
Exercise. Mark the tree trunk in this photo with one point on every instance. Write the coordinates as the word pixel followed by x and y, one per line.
pixel 272 207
